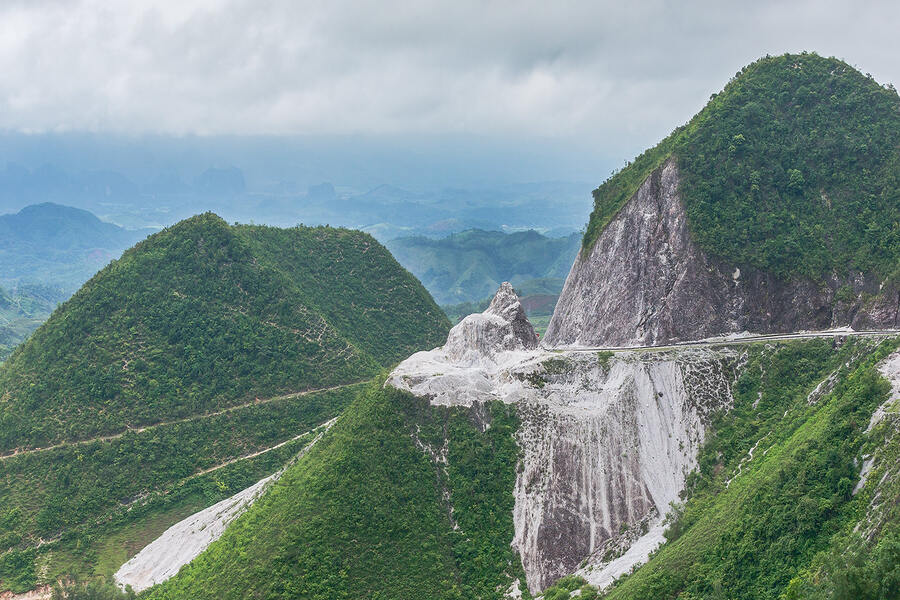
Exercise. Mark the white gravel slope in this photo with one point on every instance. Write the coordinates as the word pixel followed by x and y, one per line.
pixel 183 542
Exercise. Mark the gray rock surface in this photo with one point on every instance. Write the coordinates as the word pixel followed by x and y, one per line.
pixel 605 439
pixel 502 327
pixel 646 282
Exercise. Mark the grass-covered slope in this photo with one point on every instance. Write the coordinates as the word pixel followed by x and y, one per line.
pixel 205 315
pixel 83 510
pixel 774 493
pixel 183 373
pixel 400 500
pixel 793 169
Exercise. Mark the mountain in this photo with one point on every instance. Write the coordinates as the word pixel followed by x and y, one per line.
pixel 470 265
pixel 775 208
pixel 288 464
pixel 489 468
pixel 189 368
pixel 56 245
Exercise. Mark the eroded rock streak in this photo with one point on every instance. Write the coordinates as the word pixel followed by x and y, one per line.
pixel 606 440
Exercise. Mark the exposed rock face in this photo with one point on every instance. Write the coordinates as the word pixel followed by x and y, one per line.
pixel 502 327
pixel 646 282
pixel 606 441
pixel 606 448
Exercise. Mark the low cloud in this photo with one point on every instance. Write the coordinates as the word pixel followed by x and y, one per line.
pixel 620 75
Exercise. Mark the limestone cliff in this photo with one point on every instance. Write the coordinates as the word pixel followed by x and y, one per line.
pixel 605 441
pixel 646 282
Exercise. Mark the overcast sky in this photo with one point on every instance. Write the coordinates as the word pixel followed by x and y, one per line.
pixel 621 74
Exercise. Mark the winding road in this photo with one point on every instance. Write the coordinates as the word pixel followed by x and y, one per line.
pixel 737 339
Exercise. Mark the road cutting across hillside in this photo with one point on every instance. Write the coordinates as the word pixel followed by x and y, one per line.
pixel 735 339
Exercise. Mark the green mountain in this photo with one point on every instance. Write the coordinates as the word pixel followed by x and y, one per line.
pixel 793 169
pixel 183 372
pixel 469 266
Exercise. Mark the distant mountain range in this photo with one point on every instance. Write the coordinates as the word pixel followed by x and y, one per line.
pixel 386 211
pixel 469 266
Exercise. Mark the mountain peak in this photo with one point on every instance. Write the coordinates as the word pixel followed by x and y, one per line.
pixel 502 327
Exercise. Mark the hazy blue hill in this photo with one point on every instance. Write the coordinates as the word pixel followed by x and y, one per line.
pixel 469 266
pixel 22 311
pixel 58 245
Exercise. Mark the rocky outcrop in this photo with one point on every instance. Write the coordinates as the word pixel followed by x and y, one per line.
pixel 477 349
pixel 646 282
pixel 502 327
pixel 605 440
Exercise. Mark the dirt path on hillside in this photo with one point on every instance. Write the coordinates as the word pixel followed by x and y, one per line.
pixel 115 436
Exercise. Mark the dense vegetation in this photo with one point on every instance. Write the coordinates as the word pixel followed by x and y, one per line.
pixel 202 316
pixel 182 373
pixel 370 512
pixel 750 527
pixel 357 286
pixel 470 265
pixel 794 169
pixel 79 496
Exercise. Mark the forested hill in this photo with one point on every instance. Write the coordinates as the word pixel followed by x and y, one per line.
pixel 793 169
pixel 204 315
pixel 187 370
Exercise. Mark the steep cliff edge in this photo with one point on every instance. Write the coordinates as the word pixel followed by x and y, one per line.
pixel 645 281
pixel 775 209
pixel 605 440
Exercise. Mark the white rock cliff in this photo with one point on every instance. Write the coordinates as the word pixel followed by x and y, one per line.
pixel 606 440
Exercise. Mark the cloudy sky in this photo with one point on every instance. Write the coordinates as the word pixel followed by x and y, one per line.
pixel 621 74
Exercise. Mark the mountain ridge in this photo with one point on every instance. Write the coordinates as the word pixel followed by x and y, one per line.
pixel 741 239
pixel 181 372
